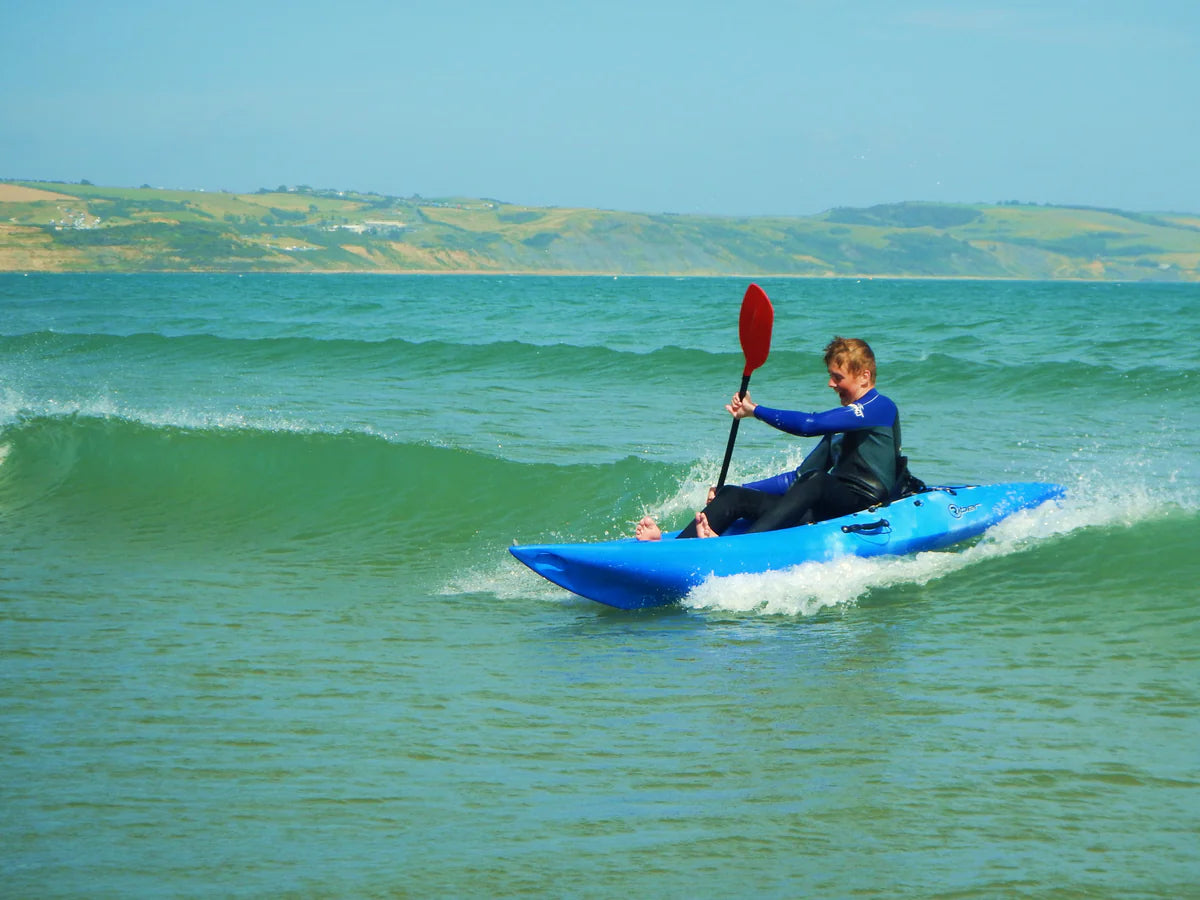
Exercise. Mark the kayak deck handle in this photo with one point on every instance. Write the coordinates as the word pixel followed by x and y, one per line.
pixel 867 527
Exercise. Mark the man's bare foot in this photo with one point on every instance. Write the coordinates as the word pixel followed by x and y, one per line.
pixel 647 530
pixel 703 529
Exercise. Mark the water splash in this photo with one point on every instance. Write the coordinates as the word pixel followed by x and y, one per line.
pixel 809 588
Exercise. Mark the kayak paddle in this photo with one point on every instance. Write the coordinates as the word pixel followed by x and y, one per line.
pixel 754 330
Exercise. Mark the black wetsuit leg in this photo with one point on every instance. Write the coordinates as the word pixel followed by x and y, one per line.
pixel 734 502
pixel 814 498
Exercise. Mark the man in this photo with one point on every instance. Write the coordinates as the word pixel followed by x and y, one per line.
pixel 855 465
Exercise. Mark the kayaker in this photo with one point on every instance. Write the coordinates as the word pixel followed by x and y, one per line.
pixel 855 465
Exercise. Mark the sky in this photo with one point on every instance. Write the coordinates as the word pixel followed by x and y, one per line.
pixel 759 107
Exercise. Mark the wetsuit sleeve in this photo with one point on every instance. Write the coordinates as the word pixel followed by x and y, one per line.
pixel 869 414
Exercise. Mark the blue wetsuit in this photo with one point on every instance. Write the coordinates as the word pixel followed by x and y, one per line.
pixel 855 465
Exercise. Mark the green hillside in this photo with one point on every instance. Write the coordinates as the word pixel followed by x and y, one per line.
pixel 47 226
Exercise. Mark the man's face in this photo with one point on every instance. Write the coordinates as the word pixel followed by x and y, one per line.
pixel 849 386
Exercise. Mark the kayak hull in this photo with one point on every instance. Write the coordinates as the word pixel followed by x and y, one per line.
pixel 631 574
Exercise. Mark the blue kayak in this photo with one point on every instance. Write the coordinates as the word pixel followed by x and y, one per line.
pixel 631 574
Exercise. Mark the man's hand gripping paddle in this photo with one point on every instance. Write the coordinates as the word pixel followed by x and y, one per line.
pixel 754 330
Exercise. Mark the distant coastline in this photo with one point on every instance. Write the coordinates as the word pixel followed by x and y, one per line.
pixel 59 227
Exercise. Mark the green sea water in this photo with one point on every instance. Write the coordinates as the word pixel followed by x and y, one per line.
pixel 260 635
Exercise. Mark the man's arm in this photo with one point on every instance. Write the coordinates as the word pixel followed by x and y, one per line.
pixel 870 414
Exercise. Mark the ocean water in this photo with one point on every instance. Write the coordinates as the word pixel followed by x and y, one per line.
pixel 260 635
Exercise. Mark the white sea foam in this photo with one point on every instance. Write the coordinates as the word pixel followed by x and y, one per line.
pixel 13 408
pixel 505 579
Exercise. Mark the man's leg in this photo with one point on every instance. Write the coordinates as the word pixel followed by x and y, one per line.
pixel 733 502
pixel 815 498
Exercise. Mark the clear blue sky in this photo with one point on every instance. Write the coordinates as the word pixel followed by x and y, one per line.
pixel 754 107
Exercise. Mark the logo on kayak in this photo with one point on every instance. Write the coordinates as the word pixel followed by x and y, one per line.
pixel 959 511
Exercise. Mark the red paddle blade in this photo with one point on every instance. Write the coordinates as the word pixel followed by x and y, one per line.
pixel 754 327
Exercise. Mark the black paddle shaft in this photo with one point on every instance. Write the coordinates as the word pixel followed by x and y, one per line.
pixel 733 434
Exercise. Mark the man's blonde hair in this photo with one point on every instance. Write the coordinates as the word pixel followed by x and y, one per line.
pixel 852 354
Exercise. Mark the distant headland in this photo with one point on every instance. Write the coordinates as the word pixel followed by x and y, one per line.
pixel 59 227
